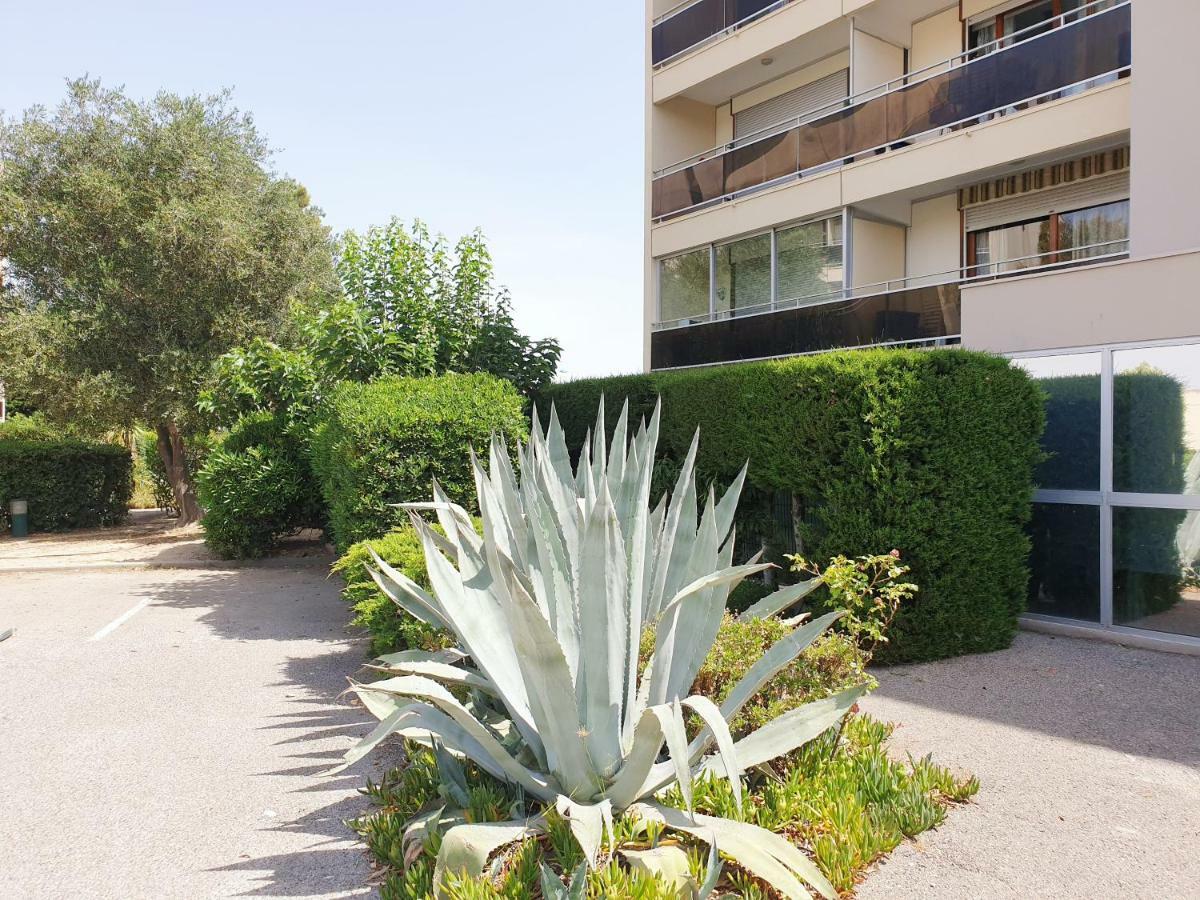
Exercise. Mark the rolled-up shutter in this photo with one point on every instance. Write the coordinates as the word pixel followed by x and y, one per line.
pixel 1035 204
pixel 793 104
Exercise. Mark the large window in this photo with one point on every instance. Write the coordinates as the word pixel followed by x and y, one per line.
pixel 793 265
pixel 683 285
pixel 744 274
pixel 1055 238
pixel 1116 524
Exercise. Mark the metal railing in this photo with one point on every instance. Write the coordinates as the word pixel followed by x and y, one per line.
pixel 962 276
pixel 1091 42
pixel 693 24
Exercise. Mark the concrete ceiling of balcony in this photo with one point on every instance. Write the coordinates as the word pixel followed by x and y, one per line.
pixel 896 207
pixel 883 19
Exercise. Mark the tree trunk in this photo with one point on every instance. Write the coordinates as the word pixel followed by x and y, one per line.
pixel 174 459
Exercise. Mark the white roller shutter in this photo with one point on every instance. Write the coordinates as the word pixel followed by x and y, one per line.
pixel 793 104
pixel 1035 204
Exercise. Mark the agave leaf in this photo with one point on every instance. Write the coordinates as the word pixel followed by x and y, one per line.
pixel 408 595
pixel 465 848
pixel 443 673
pixel 712 874
pixel 727 576
pixel 762 852
pixel 425 689
pixel 729 501
pixel 780 600
pixel 791 730
pixel 647 741
pixel 451 774
pixel 554 889
pixel 668 864
pixel 447 655
pixel 552 698
pixel 602 588
pixel 670 719
pixel 421 828
pixel 588 822
pixel 388 726
pixel 726 750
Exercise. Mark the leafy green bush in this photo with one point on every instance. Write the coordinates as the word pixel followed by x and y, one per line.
pixel 390 628
pixel 931 452
pixel 868 588
pixel 382 443
pixel 256 488
pixel 30 428
pixel 69 484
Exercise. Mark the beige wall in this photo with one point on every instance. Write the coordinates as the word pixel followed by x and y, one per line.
pixel 878 250
pixel 975 7
pixel 1133 300
pixel 680 128
pixel 875 61
pixel 933 238
pixel 935 39
pixel 1164 193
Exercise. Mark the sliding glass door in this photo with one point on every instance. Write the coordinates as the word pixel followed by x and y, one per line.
pixel 1116 523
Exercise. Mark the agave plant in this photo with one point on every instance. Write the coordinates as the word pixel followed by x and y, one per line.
pixel 548 608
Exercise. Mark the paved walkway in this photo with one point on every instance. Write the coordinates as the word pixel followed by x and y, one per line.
pixel 1089 758
pixel 164 730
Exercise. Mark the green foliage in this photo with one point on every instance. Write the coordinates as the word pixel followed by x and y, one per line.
pixel 257 488
pixel 931 452
pixel 382 443
pixel 391 629
pixel 143 240
pixel 30 428
pixel 68 484
pixel 868 588
pixel 832 664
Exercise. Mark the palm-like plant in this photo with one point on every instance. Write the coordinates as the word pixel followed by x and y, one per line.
pixel 548 608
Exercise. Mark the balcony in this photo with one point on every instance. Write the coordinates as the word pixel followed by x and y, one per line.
pixel 1090 46
pixel 916 311
pixel 692 25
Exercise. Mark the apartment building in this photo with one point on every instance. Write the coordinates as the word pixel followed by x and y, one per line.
pixel 1012 177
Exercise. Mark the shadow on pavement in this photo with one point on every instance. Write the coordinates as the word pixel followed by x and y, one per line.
pixel 1134 701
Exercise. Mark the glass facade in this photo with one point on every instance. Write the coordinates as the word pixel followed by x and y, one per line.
pixel 736 278
pixel 1116 522
pixel 1055 238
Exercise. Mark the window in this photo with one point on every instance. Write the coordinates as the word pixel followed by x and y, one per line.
pixel 1058 237
pixel 683 286
pixel 744 274
pixel 809 261
pixel 1021 23
pixel 807 267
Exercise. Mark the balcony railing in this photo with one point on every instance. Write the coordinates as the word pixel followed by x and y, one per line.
pixel 690 25
pixel 1083 49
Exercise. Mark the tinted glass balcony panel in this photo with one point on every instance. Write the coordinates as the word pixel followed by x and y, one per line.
pixel 699 22
pixel 917 314
pixel 1155 557
pixel 1094 46
pixel 1071 439
pixel 1064 563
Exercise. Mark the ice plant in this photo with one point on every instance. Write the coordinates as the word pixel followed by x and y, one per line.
pixel 548 608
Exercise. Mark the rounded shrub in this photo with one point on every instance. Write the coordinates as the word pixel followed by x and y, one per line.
pixel 256 488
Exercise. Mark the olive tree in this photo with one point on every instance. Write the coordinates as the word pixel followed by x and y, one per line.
pixel 143 240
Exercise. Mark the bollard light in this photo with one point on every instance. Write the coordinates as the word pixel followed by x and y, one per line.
pixel 19 513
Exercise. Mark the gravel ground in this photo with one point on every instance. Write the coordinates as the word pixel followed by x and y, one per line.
pixel 1089 758
pixel 178 753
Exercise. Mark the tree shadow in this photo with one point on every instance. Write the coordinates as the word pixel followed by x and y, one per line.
pixel 1135 701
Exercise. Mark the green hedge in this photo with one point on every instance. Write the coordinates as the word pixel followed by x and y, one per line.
pixel 928 452
pixel 382 443
pixel 69 484
pixel 256 488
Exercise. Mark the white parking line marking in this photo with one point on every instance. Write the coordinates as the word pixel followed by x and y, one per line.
pixel 119 621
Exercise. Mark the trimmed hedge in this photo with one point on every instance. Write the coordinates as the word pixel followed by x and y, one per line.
pixel 391 629
pixel 256 488
pixel 382 443
pixel 69 484
pixel 930 452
